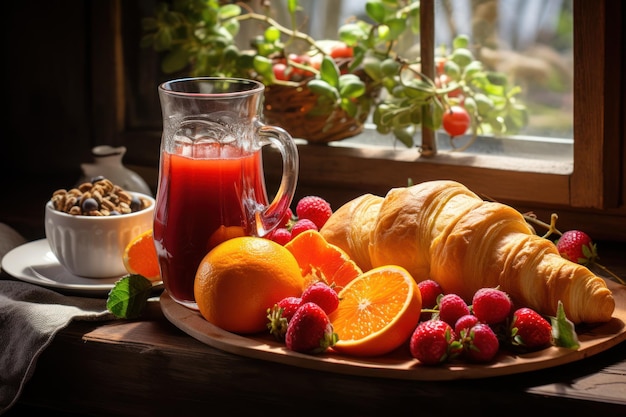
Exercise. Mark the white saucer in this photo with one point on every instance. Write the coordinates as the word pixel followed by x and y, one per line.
pixel 35 263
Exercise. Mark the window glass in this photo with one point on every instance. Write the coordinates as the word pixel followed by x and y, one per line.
pixel 531 42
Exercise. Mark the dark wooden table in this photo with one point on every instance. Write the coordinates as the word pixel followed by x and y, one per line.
pixel 150 367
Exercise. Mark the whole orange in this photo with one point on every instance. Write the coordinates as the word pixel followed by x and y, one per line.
pixel 238 280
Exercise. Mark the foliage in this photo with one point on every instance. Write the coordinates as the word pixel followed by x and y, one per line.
pixel 200 36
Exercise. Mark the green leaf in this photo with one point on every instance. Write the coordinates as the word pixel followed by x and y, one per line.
pixel 128 296
pixel 323 88
pixel 263 66
pixel 175 61
pixel 229 11
pixel 563 331
pixel 375 10
pixel 396 28
pixel 351 88
pixel 329 71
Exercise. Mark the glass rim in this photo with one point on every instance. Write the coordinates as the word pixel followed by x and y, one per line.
pixel 249 87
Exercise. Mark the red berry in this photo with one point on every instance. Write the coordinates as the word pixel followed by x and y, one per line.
pixel 481 343
pixel 451 307
pixel 289 306
pixel 310 330
pixel 456 121
pixel 280 235
pixel 465 322
pixel 491 305
pixel 280 71
pixel 315 209
pixel 323 295
pixel 287 218
pixel 429 290
pixel 530 330
pixel 341 51
pixel 432 342
pixel 577 246
pixel 301 225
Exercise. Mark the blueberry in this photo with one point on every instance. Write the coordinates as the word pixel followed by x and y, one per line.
pixel 89 204
pixel 135 203
pixel 114 213
pixel 96 179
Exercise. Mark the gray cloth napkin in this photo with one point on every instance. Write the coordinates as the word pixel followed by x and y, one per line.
pixel 30 317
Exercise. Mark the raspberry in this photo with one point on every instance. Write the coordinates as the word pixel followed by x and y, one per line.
pixel 430 290
pixel 323 295
pixel 433 342
pixel 491 305
pixel 280 235
pixel 530 330
pixel 301 225
pixel 481 343
pixel 315 209
pixel 451 308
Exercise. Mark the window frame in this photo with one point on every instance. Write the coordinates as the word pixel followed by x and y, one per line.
pixel 596 186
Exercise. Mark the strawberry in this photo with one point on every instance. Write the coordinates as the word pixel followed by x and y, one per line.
pixel 530 330
pixel 429 290
pixel 301 225
pixel 480 343
pixel 278 316
pixel 323 295
pixel 577 246
pixel 433 342
pixel 280 235
pixel 287 219
pixel 465 322
pixel 451 307
pixel 315 209
pixel 310 330
pixel 289 306
pixel 491 305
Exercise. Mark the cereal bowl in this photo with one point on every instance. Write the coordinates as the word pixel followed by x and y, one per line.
pixel 93 246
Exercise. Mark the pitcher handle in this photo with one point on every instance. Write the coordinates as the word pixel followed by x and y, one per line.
pixel 269 217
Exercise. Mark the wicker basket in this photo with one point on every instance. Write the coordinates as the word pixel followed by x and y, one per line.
pixel 291 108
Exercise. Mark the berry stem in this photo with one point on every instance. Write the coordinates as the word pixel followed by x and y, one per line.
pixel 611 273
pixel 551 228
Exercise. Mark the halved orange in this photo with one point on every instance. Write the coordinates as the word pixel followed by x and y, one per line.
pixel 377 313
pixel 140 257
pixel 322 261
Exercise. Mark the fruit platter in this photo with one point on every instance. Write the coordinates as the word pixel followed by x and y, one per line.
pixel 399 364
pixel 398 310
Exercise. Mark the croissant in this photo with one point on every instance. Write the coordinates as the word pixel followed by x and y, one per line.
pixel 443 231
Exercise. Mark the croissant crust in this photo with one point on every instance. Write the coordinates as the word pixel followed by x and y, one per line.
pixel 443 231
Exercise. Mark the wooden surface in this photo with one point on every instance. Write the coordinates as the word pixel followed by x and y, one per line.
pixel 149 367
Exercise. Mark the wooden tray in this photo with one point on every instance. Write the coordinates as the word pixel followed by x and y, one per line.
pixel 399 364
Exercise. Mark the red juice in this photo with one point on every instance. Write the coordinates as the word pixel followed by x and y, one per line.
pixel 196 197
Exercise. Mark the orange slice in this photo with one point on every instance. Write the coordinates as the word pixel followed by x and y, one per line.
pixel 322 261
pixel 140 257
pixel 377 313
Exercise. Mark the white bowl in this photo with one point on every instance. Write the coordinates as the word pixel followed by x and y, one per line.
pixel 93 246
